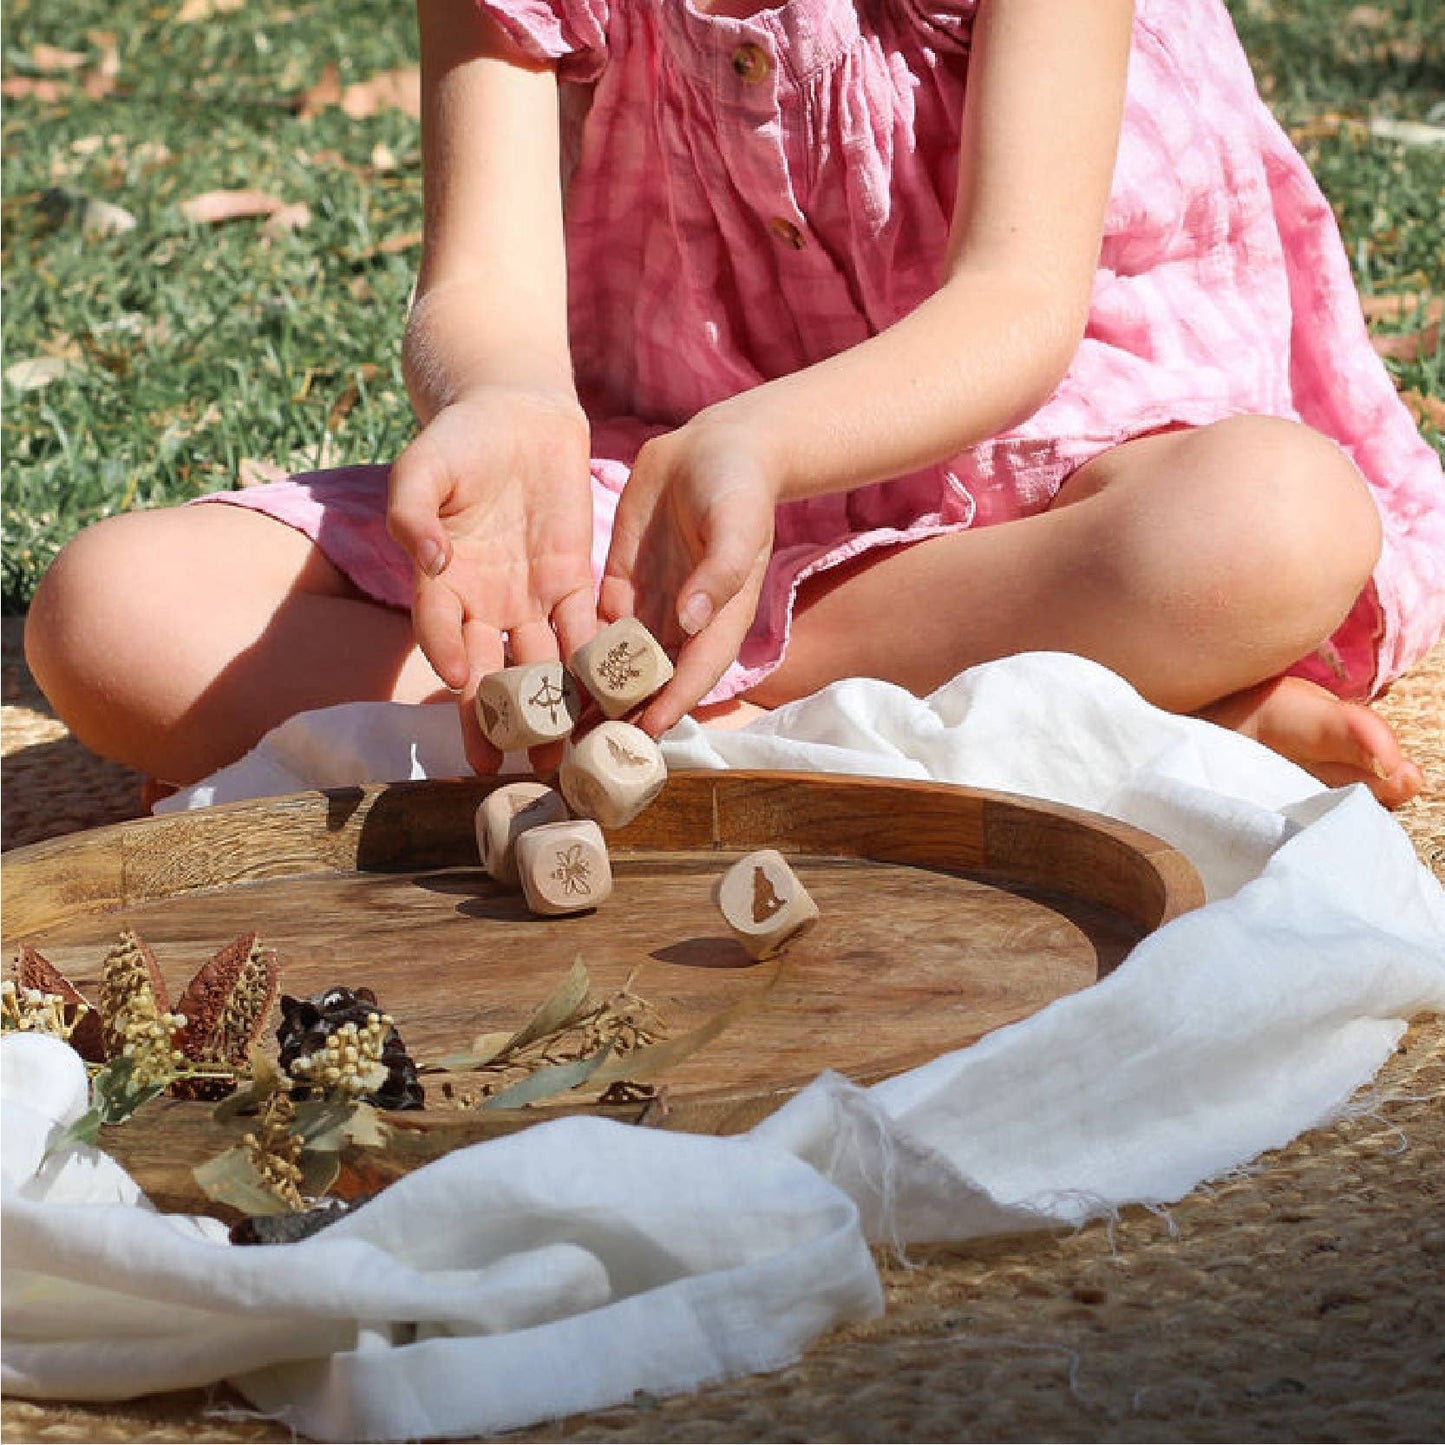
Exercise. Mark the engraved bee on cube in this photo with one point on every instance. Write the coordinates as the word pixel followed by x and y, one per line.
pixel 564 867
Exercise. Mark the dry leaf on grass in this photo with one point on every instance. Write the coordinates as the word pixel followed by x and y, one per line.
pixel 48 59
pixel 215 207
pixel 36 371
pixel 1402 305
pixel 1425 408
pixel 398 89
pixel 253 473
pixel 1408 345
pixel 33 87
pixel 194 10
pixel 289 218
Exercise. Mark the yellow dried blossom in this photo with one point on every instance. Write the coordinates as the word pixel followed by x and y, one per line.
pixel 350 1061
pixel 30 1010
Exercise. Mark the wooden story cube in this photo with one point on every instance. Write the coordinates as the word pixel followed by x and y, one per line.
pixel 764 902
pixel 622 666
pixel 504 815
pixel 519 707
pixel 612 774
pixel 564 867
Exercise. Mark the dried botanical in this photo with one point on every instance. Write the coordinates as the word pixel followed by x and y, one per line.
pixel 196 1047
pixel 339 1042
pixel 274 1151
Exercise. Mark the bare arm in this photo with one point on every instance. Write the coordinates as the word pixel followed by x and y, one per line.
pixel 492 500
pixel 491 295
pixel 1040 129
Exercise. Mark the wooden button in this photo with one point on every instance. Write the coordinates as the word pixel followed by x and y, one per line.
pixel 751 63
pixel 764 903
pixel 622 666
pixel 787 232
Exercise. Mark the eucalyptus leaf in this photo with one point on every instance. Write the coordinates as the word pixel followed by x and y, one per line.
pixel 318 1173
pixel 640 1064
pixel 266 1079
pixel 548 1082
pixel 231 1178
pixel 568 1000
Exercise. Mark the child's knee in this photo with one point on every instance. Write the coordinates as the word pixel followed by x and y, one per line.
pixel 79 593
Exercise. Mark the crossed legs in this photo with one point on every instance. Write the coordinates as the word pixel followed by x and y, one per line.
pixel 1197 564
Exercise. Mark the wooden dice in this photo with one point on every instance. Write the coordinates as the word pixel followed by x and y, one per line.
pixel 764 903
pixel 522 706
pixel 621 667
pixel 564 867
pixel 612 774
pixel 504 815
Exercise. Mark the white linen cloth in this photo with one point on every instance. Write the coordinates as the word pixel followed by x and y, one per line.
pixel 565 1268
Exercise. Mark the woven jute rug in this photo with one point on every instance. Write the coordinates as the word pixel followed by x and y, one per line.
pixel 1302 1299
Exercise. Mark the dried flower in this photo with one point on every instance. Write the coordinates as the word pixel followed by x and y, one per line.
pixel 275 1150
pixel 32 1010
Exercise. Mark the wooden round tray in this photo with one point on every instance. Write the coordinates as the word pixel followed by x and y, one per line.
pixel 946 913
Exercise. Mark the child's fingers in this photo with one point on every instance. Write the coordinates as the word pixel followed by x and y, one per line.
pixel 574 619
pixel 729 563
pixel 437 618
pixel 420 483
pixel 701 662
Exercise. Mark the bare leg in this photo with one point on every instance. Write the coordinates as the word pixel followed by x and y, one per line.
pixel 172 640
pixel 1196 564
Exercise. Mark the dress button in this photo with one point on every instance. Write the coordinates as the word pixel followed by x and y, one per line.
pixel 751 63
pixel 787 232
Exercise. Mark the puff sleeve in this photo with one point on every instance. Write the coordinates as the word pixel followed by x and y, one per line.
pixel 573 33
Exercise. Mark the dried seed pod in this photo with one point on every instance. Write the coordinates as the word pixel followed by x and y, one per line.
pixel 87 1035
pixel 226 1003
pixel 307 1025
pixel 131 987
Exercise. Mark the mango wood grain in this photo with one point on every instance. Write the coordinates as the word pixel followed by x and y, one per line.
pixel 946 913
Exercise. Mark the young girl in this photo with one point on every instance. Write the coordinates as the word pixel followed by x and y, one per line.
pixel 877 338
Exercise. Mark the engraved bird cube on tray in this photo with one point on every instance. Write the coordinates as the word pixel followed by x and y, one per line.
pixel 564 867
pixel 535 702
pixel 504 815
pixel 612 773
pixel 764 902
pixel 622 666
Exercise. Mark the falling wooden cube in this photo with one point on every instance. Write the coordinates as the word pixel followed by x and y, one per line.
pixel 520 707
pixel 622 666
pixel 612 773
pixel 504 815
pixel 764 903
pixel 564 867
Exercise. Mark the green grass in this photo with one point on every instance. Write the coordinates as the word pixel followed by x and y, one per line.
pixel 193 347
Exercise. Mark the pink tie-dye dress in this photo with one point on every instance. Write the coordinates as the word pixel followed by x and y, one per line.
pixel 746 197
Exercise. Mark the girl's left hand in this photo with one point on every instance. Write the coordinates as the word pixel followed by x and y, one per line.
pixel 690 545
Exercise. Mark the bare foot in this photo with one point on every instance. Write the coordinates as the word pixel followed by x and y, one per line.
pixel 1339 742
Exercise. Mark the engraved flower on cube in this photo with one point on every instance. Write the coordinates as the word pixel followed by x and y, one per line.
pixel 574 871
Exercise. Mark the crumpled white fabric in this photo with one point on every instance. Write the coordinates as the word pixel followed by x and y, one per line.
pixel 564 1268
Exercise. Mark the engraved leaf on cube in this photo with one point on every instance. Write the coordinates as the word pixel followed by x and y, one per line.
pixel 618 666
pixel 574 871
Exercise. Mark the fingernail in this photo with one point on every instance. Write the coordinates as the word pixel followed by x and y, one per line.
pixel 431 556
pixel 695 613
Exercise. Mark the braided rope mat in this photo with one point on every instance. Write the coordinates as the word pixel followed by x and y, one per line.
pixel 1301 1299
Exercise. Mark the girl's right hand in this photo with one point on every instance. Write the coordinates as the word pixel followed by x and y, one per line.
pixel 492 501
